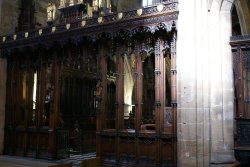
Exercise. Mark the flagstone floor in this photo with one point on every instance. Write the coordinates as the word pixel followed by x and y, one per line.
pixel 15 161
pixel 12 161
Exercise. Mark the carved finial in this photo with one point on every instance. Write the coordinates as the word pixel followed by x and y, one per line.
pixel 51 12
pixel 80 1
pixel 173 44
pixel 109 6
pixel 62 4
pixel 95 4
pixel 71 2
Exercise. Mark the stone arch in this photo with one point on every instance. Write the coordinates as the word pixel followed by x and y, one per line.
pixel 220 5
pixel 243 12
pixel 226 5
pixel 242 7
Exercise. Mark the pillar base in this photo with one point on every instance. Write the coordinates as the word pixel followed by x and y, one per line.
pixel 222 157
pixel 234 164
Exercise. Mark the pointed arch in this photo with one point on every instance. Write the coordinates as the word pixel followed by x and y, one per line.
pixel 227 5
pixel 243 12
pixel 220 5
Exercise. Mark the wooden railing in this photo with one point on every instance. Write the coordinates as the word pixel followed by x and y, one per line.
pixel 62 141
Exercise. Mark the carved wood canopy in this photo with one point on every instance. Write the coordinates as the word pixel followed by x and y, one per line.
pixel 153 19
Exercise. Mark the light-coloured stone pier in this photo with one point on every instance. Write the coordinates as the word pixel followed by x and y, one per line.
pixel 205 83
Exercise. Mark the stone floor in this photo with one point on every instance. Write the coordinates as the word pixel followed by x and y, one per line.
pixel 11 161
pixel 15 161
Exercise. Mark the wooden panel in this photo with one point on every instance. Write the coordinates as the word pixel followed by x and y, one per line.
pixel 19 143
pixel 148 151
pixel 243 133
pixel 108 149
pixel 88 141
pixel 108 146
pixel 93 162
pixel 31 144
pixel 62 165
pixel 62 144
pixel 127 150
pixel 168 151
pixel 8 141
pixel 43 144
pixel 127 146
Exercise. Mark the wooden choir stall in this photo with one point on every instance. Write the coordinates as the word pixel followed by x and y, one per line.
pixel 104 84
pixel 241 55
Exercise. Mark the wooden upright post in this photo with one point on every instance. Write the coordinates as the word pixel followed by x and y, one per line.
pixel 138 77
pixel 101 98
pixel 55 104
pixel 120 89
pixel 173 94
pixel 159 84
pixel 241 110
pixel 173 84
pixel 3 76
pixel 159 91
pixel 104 87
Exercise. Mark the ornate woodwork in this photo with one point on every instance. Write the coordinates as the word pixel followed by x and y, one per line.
pixel 81 85
pixel 241 55
pixel 72 13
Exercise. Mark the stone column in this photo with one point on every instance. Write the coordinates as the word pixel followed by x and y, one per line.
pixel 221 84
pixel 3 77
pixel 204 84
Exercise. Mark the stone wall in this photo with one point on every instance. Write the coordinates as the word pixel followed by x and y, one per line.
pixel 9 16
pixel 5 27
pixel 126 5
pixel 10 13
pixel 41 12
pixel 205 83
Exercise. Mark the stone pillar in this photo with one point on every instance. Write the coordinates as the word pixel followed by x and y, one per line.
pixel 221 84
pixel 204 84
pixel 3 77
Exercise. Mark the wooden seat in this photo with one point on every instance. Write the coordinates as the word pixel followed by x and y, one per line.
pixel 92 162
pixel 62 165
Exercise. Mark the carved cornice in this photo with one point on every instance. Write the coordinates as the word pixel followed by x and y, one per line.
pixel 241 41
pixel 153 18
pixel 240 38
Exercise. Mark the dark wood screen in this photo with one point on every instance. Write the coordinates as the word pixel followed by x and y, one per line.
pixel 241 67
